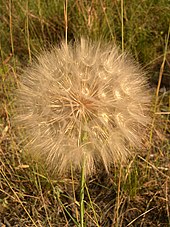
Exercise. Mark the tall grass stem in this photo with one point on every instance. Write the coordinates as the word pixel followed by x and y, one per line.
pixel 122 24
pixel 82 192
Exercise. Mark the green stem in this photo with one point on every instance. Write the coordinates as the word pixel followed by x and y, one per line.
pixel 82 193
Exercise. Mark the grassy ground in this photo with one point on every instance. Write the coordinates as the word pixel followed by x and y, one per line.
pixel 137 194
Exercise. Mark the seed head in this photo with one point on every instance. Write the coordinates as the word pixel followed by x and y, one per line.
pixel 82 101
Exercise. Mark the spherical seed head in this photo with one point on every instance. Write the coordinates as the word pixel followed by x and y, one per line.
pixel 82 101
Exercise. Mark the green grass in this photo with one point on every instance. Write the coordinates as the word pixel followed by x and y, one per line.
pixel 134 195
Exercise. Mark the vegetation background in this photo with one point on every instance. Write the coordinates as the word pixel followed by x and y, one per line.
pixel 135 195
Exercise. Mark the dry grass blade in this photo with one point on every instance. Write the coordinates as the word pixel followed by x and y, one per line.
pixel 140 216
pixel 17 197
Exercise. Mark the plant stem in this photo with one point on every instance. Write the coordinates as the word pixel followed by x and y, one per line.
pixel 82 193
pixel 122 24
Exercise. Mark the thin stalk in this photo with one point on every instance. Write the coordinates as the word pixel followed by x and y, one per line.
pixel 66 20
pixel 122 27
pixel 10 27
pixel 74 195
pixel 82 193
pixel 107 20
pixel 159 84
pixel 92 207
pixel 27 30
